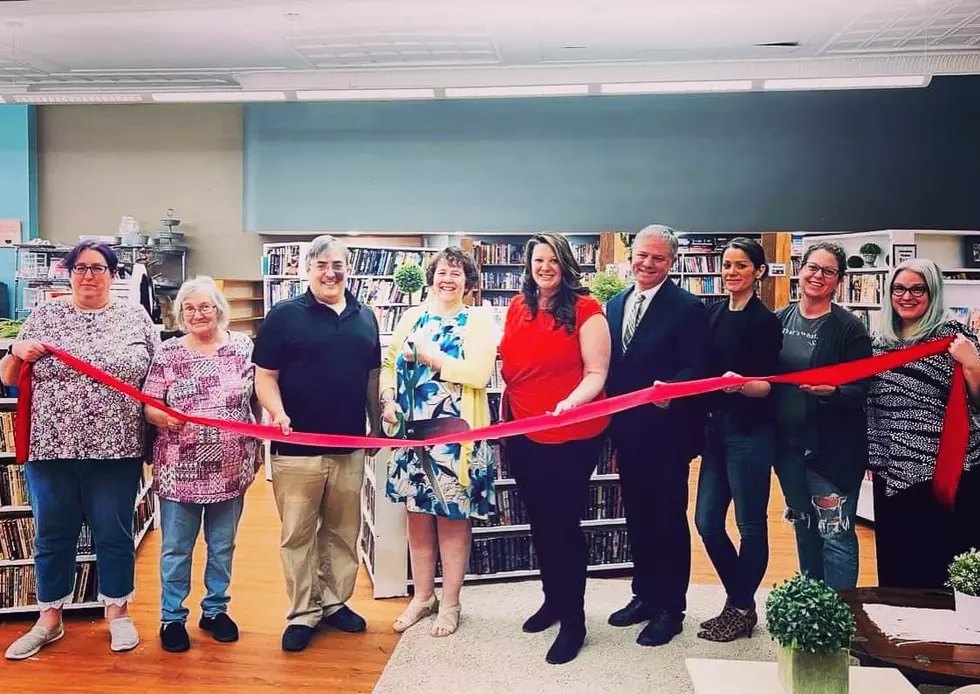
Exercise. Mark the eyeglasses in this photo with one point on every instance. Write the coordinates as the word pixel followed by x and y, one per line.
pixel 205 310
pixel 828 272
pixel 94 269
pixel 918 290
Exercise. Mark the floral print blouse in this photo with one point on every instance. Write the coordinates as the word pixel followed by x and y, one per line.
pixel 198 464
pixel 72 416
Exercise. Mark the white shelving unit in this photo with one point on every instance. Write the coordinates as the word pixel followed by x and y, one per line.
pixel 945 247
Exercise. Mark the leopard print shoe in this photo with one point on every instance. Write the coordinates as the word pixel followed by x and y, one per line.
pixel 707 624
pixel 734 625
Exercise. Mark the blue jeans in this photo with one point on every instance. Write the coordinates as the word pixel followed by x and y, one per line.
pixel 823 516
pixel 63 492
pixel 180 524
pixel 736 466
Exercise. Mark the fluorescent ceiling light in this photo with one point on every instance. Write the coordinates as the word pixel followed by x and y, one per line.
pixel 197 97
pixel 848 82
pixel 364 94
pixel 75 98
pixel 676 87
pixel 528 90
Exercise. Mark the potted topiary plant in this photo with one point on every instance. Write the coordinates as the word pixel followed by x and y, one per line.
pixel 813 628
pixel 870 251
pixel 964 579
pixel 605 285
pixel 409 279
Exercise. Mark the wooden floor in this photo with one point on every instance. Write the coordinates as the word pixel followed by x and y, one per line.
pixel 82 662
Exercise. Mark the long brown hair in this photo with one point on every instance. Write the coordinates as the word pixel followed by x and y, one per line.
pixel 562 306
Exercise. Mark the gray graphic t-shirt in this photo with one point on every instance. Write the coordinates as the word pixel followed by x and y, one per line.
pixel 799 341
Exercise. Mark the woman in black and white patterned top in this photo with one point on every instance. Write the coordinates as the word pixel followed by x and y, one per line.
pixel 916 537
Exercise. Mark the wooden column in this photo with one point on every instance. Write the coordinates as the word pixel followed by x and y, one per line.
pixel 775 290
pixel 471 247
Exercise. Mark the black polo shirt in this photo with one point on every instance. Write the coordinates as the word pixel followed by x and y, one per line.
pixel 323 360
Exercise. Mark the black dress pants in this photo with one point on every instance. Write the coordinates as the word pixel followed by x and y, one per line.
pixel 553 483
pixel 655 494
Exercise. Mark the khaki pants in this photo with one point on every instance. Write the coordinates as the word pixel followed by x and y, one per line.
pixel 319 501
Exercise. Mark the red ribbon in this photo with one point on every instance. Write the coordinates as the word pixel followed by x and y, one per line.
pixel 949 463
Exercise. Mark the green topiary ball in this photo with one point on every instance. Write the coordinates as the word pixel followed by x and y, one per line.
pixel 409 278
pixel 807 615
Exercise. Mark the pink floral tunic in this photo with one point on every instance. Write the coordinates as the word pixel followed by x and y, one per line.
pixel 202 464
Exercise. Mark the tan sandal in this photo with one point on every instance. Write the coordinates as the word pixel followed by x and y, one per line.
pixel 415 612
pixel 447 621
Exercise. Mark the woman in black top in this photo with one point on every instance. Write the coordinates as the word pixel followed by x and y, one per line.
pixel 746 338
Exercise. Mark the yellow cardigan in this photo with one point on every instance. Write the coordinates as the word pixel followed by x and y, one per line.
pixel 473 371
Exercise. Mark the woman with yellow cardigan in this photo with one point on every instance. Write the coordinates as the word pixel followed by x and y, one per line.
pixel 438 365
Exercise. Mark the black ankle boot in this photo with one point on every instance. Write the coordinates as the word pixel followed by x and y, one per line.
pixel 540 620
pixel 567 644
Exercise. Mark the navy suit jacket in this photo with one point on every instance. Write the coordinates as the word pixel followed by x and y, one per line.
pixel 671 343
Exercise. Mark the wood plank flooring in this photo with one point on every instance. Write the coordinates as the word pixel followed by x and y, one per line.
pixel 82 662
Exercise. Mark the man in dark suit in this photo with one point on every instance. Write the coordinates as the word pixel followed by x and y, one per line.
pixel 660 334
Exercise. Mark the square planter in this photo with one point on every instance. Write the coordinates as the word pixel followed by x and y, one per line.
pixel 809 673
pixel 967 610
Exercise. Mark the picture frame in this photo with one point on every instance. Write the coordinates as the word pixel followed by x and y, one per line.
pixel 902 252
pixel 971 251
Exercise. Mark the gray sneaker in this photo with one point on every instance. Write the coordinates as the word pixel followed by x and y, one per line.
pixel 33 641
pixel 122 633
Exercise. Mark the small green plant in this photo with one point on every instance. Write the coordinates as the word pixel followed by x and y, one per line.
pixel 605 285
pixel 964 573
pixel 409 278
pixel 870 249
pixel 807 615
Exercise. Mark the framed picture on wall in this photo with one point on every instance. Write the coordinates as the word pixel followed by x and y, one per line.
pixel 904 251
pixel 971 251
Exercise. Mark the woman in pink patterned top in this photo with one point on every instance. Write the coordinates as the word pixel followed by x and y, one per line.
pixel 200 471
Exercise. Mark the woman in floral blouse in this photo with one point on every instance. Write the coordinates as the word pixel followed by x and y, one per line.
pixel 200 471
pixel 85 459
pixel 445 375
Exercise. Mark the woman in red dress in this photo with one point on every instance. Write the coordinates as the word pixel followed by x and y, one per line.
pixel 555 353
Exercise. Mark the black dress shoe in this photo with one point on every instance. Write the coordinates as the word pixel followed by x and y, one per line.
pixel 174 638
pixel 567 644
pixel 637 611
pixel 661 630
pixel 296 637
pixel 540 620
pixel 345 619
pixel 221 626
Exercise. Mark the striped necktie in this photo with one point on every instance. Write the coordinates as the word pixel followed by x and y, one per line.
pixel 634 320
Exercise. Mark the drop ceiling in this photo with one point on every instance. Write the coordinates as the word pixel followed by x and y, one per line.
pixel 134 47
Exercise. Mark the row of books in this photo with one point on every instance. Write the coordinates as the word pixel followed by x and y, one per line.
pixel 283 260
pixel 863 288
pixel 513 253
pixel 18 587
pixel 605 502
pixel 500 280
pixel 8 425
pixel 388 317
pixel 17 538
pixel 703 285
pixel 13 486
pixel 697 243
pixel 376 261
pixel 490 555
pixel 367 543
pixel 282 289
pixel 698 263
pixel 376 291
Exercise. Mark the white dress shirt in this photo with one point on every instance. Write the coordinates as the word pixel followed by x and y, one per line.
pixel 631 302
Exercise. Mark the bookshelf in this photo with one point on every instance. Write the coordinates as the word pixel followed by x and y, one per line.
pixel 245 303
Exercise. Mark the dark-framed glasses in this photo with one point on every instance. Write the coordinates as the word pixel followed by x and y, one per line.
pixel 828 272
pixel 94 269
pixel 916 290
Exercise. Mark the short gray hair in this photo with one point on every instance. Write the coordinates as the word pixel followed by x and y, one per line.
pixel 322 244
pixel 204 285
pixel 659 231
pixel 888 331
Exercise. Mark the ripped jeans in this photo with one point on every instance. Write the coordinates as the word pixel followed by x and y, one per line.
pixel 823 516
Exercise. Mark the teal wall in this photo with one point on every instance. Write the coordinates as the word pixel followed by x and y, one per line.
pixel 18 185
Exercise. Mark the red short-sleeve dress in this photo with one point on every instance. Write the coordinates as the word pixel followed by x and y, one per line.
pixel 542 365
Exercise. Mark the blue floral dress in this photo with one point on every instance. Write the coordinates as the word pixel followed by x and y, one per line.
pixel 431 484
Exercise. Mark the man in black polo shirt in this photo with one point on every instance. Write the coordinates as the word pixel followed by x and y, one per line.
pixel 317 357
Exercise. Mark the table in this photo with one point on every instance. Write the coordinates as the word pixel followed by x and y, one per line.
pixel 754 677
pixel 921 663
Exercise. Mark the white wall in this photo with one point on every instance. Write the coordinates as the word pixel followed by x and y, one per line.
pixel 99 163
